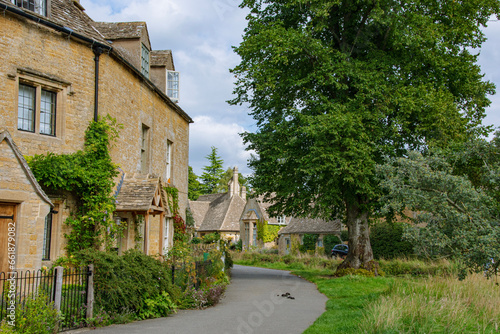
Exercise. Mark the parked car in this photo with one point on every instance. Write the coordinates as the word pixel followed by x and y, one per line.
pixel 340 250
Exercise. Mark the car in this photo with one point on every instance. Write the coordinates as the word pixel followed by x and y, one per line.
pixel 340 250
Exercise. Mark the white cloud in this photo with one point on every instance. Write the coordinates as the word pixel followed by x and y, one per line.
pixel 200 34
pixel 207 132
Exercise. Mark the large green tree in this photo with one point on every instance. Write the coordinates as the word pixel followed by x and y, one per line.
pixel 336 86
pixel 194 186
pixel 455 210
pixel 212 173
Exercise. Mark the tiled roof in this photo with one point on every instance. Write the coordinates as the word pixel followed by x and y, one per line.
pixel 310 225
pixel 217 212
pixel 162 58
pixel 68 15
pixel 120 30
pixel 198 209
pixel 5 135
pixel 140 195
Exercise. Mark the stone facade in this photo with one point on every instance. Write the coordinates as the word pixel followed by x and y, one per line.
pixel 45 56
pixel 22 199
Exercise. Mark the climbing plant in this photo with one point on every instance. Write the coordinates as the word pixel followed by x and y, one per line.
pixel 88 174
pixel 266 232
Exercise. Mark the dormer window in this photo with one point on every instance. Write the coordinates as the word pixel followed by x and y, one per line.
pixel 173 85
pixel 281 220
pixel 37 6
pixel 145 61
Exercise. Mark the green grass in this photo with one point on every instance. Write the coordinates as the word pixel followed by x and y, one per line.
pixel 348 297
pixel 419 297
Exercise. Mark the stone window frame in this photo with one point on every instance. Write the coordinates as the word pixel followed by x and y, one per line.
pixel 43 82
pixel 169 162
pixel 145 149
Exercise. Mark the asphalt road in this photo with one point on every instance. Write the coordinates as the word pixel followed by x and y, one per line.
pixel 253 303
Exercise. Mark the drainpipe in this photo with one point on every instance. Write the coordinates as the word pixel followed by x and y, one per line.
pixel 97 51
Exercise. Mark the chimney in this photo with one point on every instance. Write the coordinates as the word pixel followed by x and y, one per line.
pixel 244 193
pixel 234 186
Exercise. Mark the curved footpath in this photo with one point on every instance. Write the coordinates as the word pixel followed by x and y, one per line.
pixel 253 303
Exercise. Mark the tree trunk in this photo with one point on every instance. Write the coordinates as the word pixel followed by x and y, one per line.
pixel 360 249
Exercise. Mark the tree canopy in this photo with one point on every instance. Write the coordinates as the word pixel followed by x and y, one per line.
pixel 213 172
pixel 456 210
pixel 337 86
pixel 194 186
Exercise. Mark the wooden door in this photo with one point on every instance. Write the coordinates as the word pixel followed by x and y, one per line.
pixel 7 224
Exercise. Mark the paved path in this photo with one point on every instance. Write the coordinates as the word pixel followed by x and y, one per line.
pixel 252 304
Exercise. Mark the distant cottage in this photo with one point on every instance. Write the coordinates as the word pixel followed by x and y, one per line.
pixel 60 70
pixel 220 212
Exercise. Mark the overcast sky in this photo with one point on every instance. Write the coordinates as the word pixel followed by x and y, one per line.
pixel 201 34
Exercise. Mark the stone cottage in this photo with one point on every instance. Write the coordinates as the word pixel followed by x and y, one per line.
pixel 220 212
pixel 294 232
pixel 255 214
pixel 60 70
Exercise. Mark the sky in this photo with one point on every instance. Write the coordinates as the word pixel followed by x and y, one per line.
pixel 201 34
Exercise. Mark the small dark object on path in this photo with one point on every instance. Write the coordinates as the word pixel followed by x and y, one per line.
pixel 285 294
pixel 290 297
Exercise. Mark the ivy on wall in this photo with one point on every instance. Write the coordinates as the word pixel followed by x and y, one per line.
pixel 88 174
pixel 266 232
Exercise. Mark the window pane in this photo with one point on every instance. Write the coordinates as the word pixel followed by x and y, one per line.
pixel 47 237
pixel 26 108
pixel 37 6
pixel 173 85
pixel 145 61
pixel 48 113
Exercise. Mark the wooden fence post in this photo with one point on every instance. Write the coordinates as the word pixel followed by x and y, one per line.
pixel 90 292
pixel 58 289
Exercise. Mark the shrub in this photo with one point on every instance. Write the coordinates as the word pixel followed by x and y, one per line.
pixel 124 283
pixel 309 242
pixel 211 238
pixel 387 241
pixel 329 241
pixel 352 271
pixel 35 315
pixel 159 306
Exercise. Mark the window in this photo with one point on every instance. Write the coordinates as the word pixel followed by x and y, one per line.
pixel 173 85
pixel 48 113
pixel 281 220
pixel 145 61
pixel 37 6
pixel 26 108
pixel 169 161
pixel 37 106
pixel 47 237
pixel 144 149
pixel 254 242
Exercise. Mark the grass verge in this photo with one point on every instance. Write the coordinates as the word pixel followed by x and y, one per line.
pixel 420 297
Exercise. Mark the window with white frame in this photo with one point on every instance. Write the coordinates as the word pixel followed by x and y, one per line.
pixel 36 109
pixel 37 6
pixel 169 161
pixel 145 61
pixel 173 85
pixel 281 220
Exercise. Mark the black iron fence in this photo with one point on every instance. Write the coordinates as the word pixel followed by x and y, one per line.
pixel 69 290
pixel 189 273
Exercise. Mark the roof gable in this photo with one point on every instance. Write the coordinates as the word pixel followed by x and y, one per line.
pixel 145 196
pixel 5 136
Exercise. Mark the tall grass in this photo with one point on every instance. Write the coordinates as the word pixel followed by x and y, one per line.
pixel 436 305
